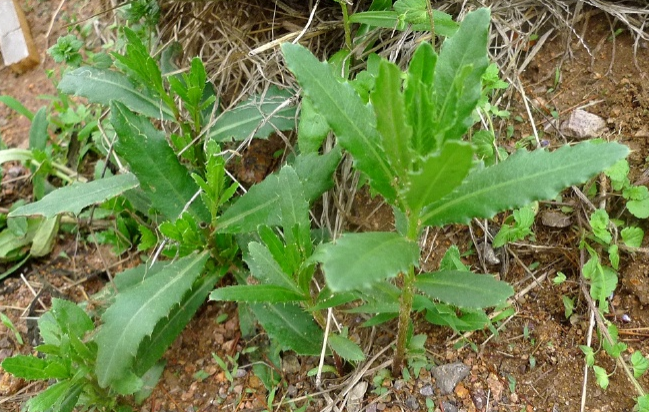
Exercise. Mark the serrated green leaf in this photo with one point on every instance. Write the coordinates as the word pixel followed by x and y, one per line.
pixel 105 86
pixel 74 198
pixel 640 364
pixel 260 205
pixel 70 318
pixel 348 350
pixel 290 326
pixel 359 260
pixel 239 123
pixel 619 174
pixel 590 355
pixel 264 267
pixel 601 376
pixel 632 236
pixel 352 121
pixel 294 208
pixel 439 174
pixel 639 208
pixel 458 76
pixel 599 223
pixel 256 294
pixel 168 329
pixel 603 282
pixel 521 179
pixel 28 367
pixel 390 109
pixel 162 177
pixel 464 289
pixel 418 94
pixel 135 314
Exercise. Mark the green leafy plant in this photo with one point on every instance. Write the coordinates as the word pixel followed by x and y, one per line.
pixel 408 144
pixel 178 181
pixel 68 357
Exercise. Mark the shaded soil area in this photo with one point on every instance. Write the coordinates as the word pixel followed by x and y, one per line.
pixel 532 363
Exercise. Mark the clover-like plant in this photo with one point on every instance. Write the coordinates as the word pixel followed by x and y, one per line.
pixel 408 142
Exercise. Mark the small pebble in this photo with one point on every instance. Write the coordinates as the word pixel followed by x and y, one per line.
pixel 371 407
pixel 449 406
pixel 399 384
pixel 427 390
pixel 239 373
pixel 412 404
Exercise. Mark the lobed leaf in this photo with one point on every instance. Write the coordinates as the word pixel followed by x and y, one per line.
pixel 352 121
pixel 162 177
pixel 105 86
pixel 135 314
pixel 523 178
pixel 74 198
pixel 464 289
pixel 359 260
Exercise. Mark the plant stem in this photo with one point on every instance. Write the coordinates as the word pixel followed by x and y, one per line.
pixel 407 297
pixel 432 22
pixel 348 34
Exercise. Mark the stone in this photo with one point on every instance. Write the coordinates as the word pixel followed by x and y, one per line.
pixel 449 406
pixel 412 403
pixel 583 125
pixel 447 376
pixel 554 218
pixel 427 390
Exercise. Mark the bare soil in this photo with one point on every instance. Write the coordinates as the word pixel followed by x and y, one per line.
pixel 532 364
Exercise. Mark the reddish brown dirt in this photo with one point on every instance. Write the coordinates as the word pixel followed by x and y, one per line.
pixel 532 364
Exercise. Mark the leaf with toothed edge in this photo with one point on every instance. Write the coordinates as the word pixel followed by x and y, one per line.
pixel 521 179
pixel 135 314
pixel 360 260
pixel 353 122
